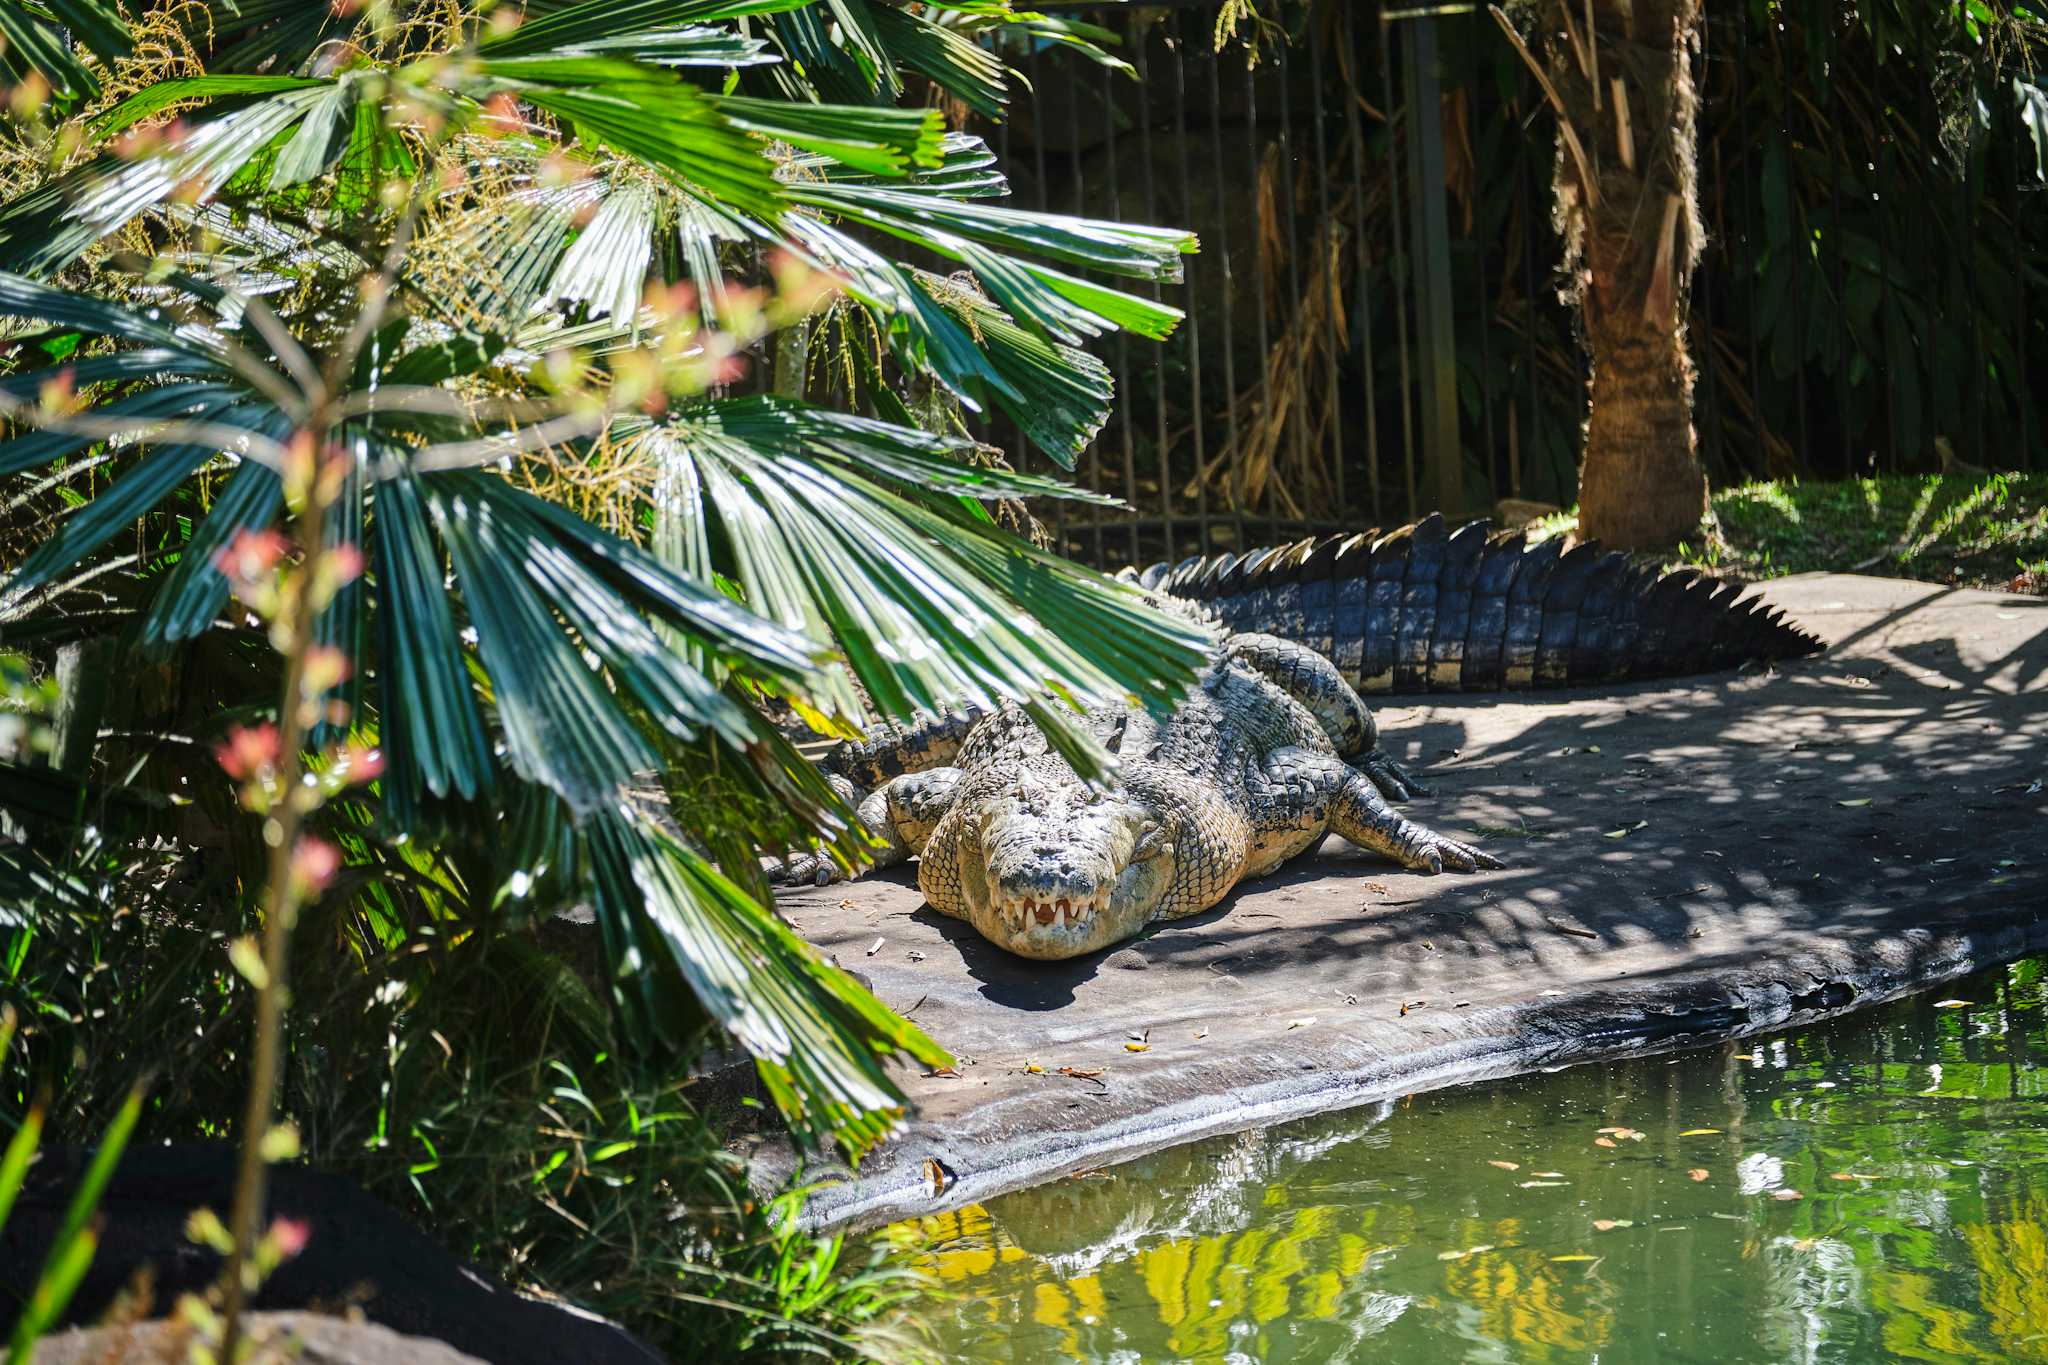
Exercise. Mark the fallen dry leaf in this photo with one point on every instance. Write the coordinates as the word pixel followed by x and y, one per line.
pixel 942 1071
pixel 1698 1173
pixel 1137 1047
pixel 1202 1032
pixel 1786 1196
pixel 1380 887
pixel 1506 1165
pixel 936 1173
pixel 1033 1068
pixel 875 947
pixel 1407 1005
pixel 916 956
pixel 1301 1023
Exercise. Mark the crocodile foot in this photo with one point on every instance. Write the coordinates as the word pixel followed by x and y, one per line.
pixel 1394 781
pixel 1426 850
pixel 807 869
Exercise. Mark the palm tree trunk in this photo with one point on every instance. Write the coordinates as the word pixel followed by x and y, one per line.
pixel 1629 208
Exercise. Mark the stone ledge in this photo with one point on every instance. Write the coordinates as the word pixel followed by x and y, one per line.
pixel 1688 861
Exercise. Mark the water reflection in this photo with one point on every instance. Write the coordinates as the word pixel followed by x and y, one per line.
pixel 1869 1189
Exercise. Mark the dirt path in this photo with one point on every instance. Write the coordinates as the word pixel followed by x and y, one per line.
pixel 1722 856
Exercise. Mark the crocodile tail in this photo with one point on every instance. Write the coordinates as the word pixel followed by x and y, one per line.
pixel 1431 608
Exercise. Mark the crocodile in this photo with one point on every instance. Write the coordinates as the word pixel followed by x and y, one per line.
pixel 1268 752
pixel 1428 608
pixel 1275 747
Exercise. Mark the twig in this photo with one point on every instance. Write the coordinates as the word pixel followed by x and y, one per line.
pixel 1564 123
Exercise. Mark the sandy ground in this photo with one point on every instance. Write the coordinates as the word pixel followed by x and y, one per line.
pixel 1687 862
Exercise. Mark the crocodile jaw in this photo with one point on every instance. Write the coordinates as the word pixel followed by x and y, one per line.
pixel 1058 873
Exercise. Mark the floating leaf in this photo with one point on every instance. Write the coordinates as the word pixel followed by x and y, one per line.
pixel 1543 1184
pixel 1610 1224
pixel 1626 829
pixel 1857 801
pixel 1786 1196
pixel 1604 1142
pixel 1548 1175
pixel 1698 1173
pixel 1952 1004
pixel 1460 1255
pixel 1506 1165
pixel 1576 1256
pixel 1698 1132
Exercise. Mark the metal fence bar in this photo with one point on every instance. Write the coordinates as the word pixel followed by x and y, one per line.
pixel 1112 138
pixel 1251 114
pixel 1228 282
pixel 1361 315
pixel 1399 266
pixel 1192 339
pixel 1325 246
pixel 1151 201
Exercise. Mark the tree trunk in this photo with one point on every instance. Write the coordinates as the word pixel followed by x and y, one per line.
pixel 1628 205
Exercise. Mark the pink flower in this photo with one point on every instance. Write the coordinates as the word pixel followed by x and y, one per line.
pixel 314 863
pixel 251 555
pixel 248 751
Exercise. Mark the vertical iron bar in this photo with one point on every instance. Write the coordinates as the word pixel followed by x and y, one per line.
pixel 1251 114
pixel 1841 328
pixel 1037 68
pixel 1297 426
pixel 1760 427
pixel 1361 316
pixel 1151 205
pixel 1442 450
pixel 1881 195
pixel 1804 230
pixel 1485 349
pixel 2023 389
pixel 1113 143
pixel 1096 513
pixel 1533 441
pixel 1228 288
pixel 1325 243
pixel 1399 266
pixel 1193 338
pixel 1974 165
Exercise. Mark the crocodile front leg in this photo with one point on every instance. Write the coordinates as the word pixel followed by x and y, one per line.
pixel 1342 714
pixel 1359 813
pixel 900 815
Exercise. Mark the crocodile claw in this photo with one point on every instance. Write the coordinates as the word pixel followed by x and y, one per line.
pixel 808 869
pixel 1394 781
pixel 1434 852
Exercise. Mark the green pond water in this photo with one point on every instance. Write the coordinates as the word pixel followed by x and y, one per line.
pixel 1871 1189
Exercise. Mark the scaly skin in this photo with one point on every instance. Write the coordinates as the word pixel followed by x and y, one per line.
pixel 1249 770
pixel 1428 608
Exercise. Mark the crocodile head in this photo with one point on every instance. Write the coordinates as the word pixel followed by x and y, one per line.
pixel 1053 869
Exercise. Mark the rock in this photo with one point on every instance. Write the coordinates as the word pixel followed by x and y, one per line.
pixel 306 1338
pixel 1130 959
pixel 359 1252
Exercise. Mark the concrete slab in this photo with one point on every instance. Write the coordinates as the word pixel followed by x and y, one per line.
pixel 1688 861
